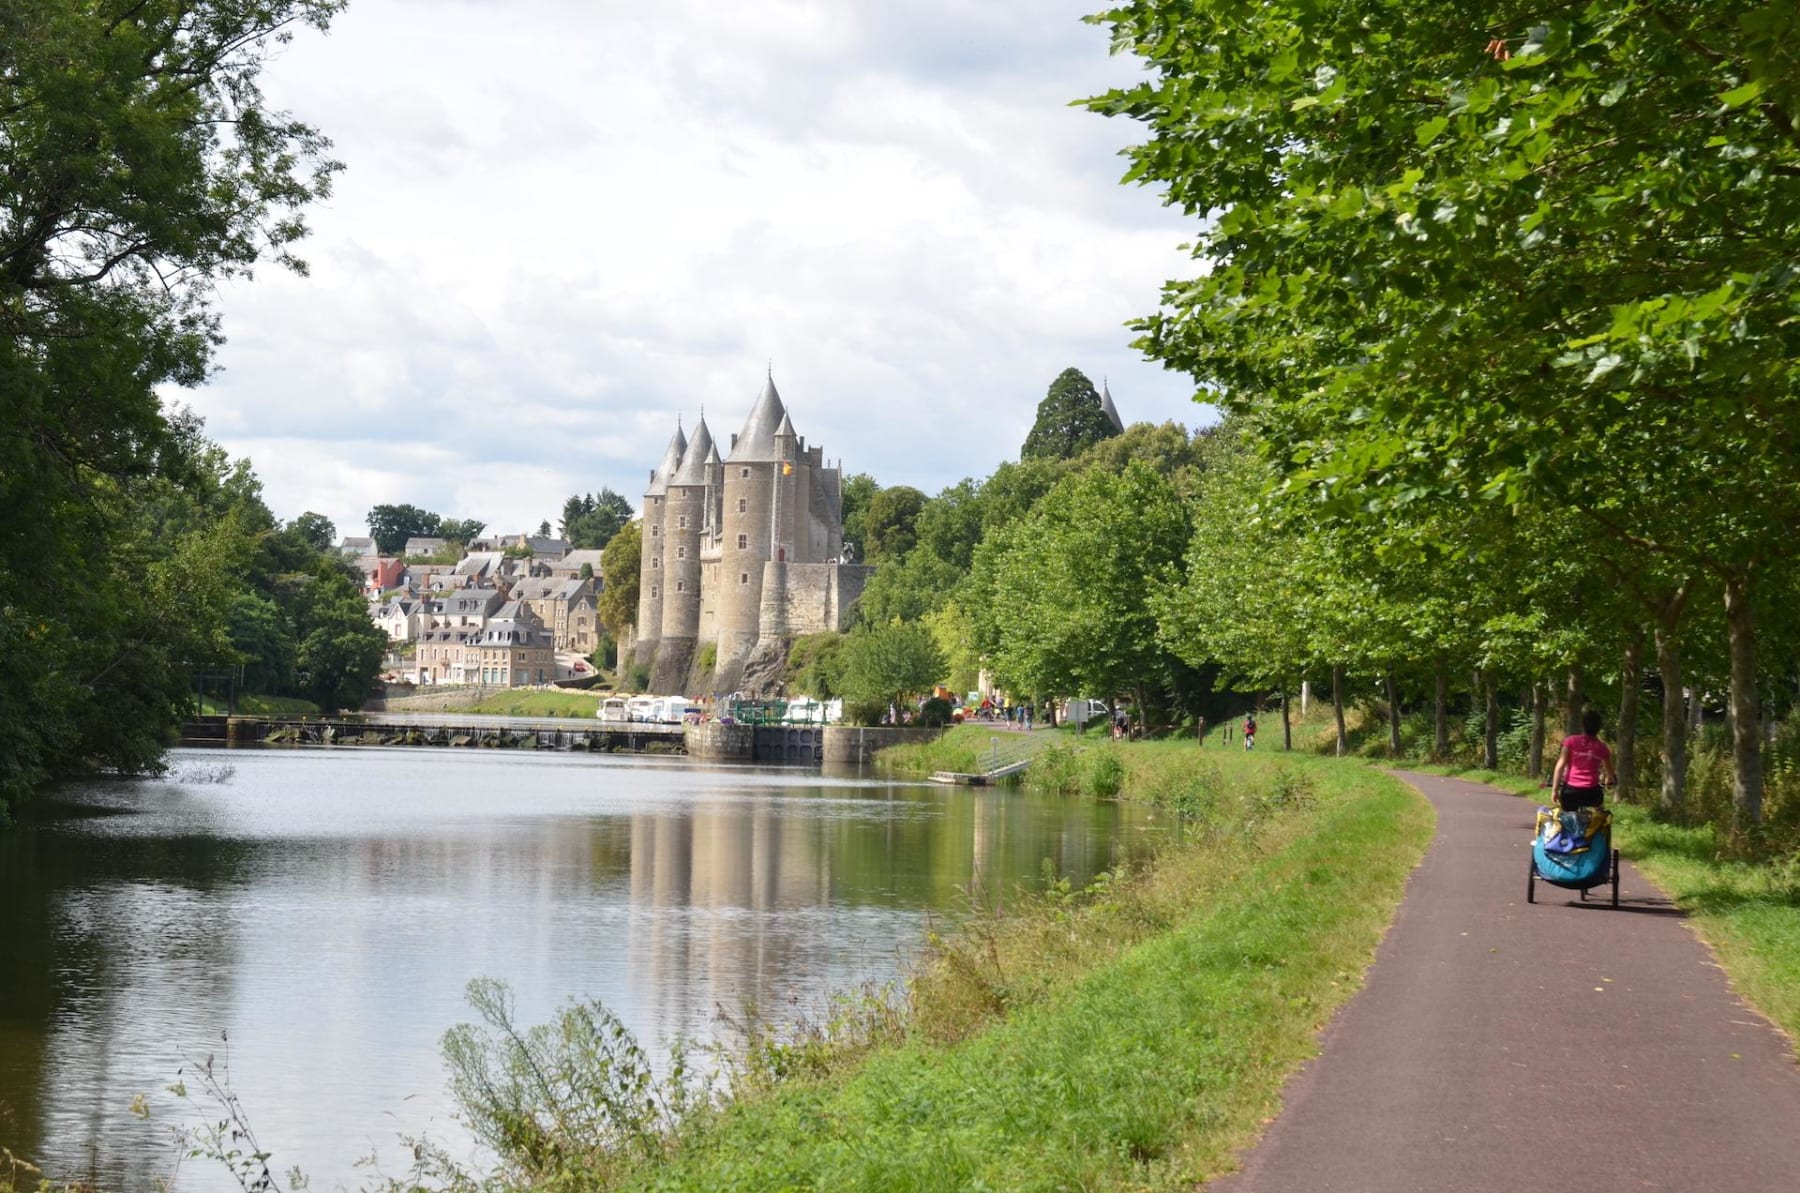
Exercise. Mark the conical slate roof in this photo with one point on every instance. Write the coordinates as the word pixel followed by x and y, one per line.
pixel 692 470
pixel 659 480
pixel 786 429
pixel 756 442
pixel 1106 404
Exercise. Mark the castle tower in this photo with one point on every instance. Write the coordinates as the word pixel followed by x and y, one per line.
pixel 1107 407
pixel 746 541
pixel 684 516
pixel 650 566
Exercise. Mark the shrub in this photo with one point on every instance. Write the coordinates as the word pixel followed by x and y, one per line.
pixel 935 713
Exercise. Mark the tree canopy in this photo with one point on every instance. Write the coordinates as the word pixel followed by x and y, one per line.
pixel 1070 419
pixel 590 521
pixel 143 166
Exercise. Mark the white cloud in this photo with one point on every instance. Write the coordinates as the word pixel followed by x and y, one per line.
pixel 563 223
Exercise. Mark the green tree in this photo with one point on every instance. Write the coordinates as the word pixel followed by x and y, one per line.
pixel 391 525
pixel 340 649
pixel 889 523
pixel 882 665
pixel 458 530
pixel 590 521
pixel 1064 598
pixel 142 165
pixel 314 530
pixel 1070 420
pixel 619 570
pixel 1463 262
pixel 859 489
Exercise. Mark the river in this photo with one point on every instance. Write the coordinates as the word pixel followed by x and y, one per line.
pixel 312 918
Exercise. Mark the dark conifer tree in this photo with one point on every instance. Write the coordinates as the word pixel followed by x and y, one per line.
pixel 1070 420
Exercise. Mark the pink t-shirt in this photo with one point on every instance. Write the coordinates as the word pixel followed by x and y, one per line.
pixel 1587 756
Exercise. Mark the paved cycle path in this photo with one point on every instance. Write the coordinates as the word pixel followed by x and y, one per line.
pixel 1502 1045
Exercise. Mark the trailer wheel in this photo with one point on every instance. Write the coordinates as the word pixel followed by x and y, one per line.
pixel 1531 881
pixel 1615 884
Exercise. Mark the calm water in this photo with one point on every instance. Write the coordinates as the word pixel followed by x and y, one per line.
pixel 324 911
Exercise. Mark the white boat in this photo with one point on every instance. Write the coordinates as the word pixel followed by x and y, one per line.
pixel 642 710
pixel 614 710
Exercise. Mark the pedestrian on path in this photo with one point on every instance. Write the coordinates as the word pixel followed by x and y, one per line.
pixel 1250 731
pixel 1584 768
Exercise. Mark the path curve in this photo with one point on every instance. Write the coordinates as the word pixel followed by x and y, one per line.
pixel 1503 1045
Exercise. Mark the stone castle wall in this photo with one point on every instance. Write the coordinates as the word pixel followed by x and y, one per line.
pixel 808 598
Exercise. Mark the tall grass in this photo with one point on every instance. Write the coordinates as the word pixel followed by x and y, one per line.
pixel 1127 1035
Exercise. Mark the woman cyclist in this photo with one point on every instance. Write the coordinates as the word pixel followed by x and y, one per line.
pixel 1584 768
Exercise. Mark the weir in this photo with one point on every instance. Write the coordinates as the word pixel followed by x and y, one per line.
pixel 710 740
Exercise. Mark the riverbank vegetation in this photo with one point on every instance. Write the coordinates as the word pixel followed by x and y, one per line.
pixel 534 702
pixel 136 559
pixel 1130 1035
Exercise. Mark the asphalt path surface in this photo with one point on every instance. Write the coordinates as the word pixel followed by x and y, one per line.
pixel 1503 1045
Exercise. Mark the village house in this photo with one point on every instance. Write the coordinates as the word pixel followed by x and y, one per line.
pixel 403 617
pixel 423 546
pixel 485 567
pixel 515 649
pixel 381 574
pixel 356 548
pixel 577 623
pixel 443 653
pixel 431 577
pixel 569 566
pixel 467 607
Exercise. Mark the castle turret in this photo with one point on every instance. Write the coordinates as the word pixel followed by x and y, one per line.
pixel 1107 407
pixel 650 567
pixel 684 516
pixel 746 541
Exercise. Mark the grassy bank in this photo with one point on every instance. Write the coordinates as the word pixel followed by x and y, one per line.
pixel 532 702
pixel 1129 1039
pixel 258 706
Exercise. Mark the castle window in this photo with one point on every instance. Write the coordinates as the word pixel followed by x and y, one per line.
pixel 744 473
pixel 681 586
pixel 681 521
pixel 655 591
pixel 655 561
pixel 655 530
pixel 743 506
pixel 743 542
pixel 743 577
pixel 681 552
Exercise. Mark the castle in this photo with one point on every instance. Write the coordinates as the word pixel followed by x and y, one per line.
pixel 741 552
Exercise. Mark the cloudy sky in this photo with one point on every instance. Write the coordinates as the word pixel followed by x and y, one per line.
pixel 563 223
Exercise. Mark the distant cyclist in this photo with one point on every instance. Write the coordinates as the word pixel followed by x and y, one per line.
pixel 1250 731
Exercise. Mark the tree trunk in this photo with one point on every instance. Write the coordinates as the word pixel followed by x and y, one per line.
pixel 1631 682
pixel 1440 715
pixel 1490 736
pixel 1540 710
pixel 1287 723
pixel 1674 723
pixel 1393 695
pixel 1746 716
pixel 1305 695
pixel 1572 708
pixel 1337 708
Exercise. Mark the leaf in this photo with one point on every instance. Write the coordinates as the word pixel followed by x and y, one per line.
pixel 1431 130
pixel 1737 97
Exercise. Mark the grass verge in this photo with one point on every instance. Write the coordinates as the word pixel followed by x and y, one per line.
pixel 1749 912
pixel 1131 1040
pixel 248 705
pixel 531 702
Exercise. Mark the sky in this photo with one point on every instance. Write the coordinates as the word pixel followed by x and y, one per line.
pixel 564 224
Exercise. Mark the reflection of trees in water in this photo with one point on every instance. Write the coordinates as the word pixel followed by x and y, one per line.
pixel 99 931
pixel 127 948
pixel 731 901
